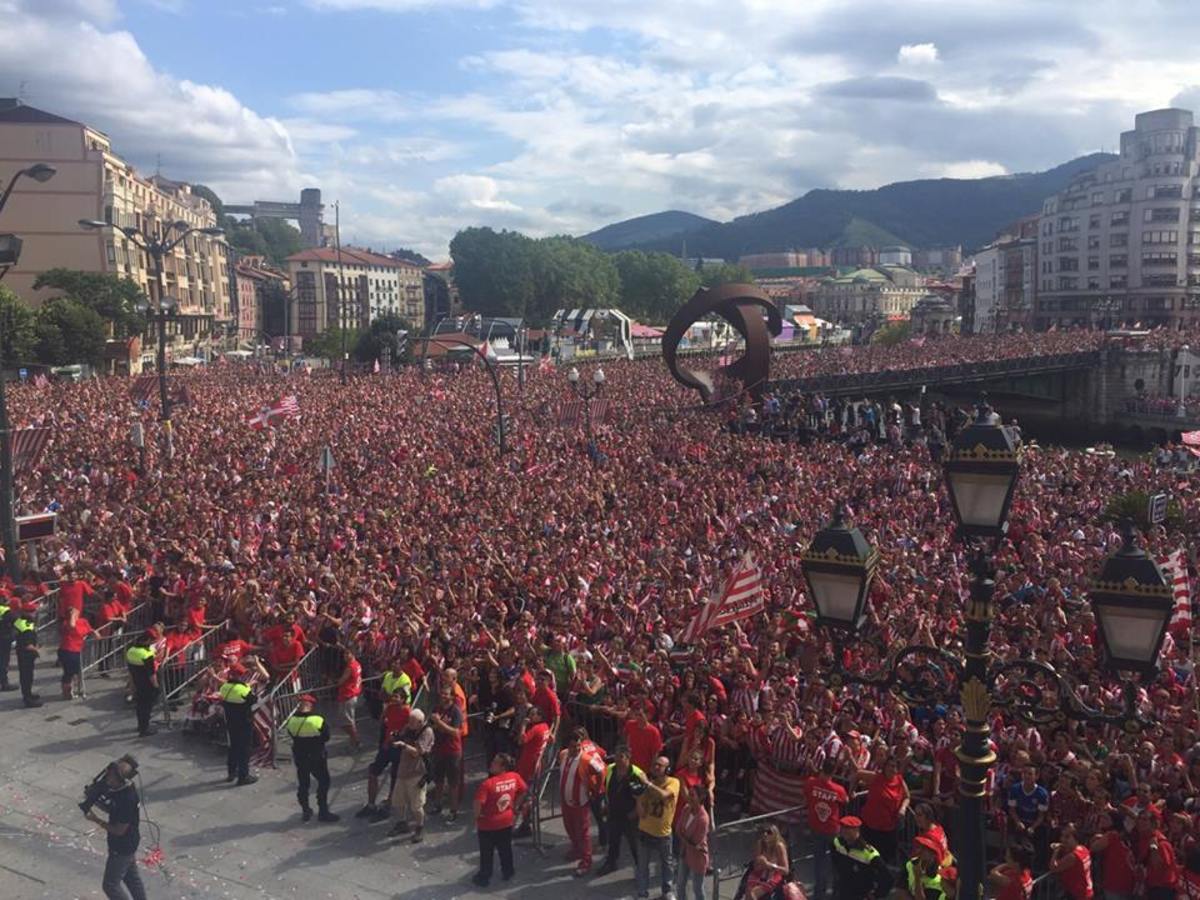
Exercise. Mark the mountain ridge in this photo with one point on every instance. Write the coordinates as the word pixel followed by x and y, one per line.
pixel 930 212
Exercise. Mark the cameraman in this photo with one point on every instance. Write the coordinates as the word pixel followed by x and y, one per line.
pixel 123 835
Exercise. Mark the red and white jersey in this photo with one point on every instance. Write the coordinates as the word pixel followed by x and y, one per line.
pixel 581 774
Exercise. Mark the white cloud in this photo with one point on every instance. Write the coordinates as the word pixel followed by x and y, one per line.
pixel 474 191
pixel 917 54
pixel 971 168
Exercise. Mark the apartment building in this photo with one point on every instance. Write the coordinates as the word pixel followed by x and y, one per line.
pixel 260 287
pixel 353 287
pixel 1121 245
pixel 93 182
pixel 1006 282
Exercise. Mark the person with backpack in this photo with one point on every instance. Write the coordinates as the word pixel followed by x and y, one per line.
pixel 415 743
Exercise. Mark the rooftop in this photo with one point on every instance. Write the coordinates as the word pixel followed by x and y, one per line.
pixel 12 110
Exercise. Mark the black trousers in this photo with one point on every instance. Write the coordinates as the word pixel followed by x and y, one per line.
pixel 237 760
pixel 121 872
pixel 6 642
pixel 500 841
pixel 307 769
pixel 25 663
pixel 143 702
pixel 621 826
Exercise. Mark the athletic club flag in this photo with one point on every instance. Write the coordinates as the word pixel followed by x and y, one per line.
pixel 1174 566
pixel 546 366
pixel 741 598
pixel 28 445
pixel 569 412
pixel 1191 438
pixel 143 388
pixel 283 408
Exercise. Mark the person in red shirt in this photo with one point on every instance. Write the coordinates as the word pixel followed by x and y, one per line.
pixel 825 799
pixel 71 594
pixel 929 827
pixel 394 720
pixel 1117 875
pixel 349 688
pixel 72 634
pixel 644 739
pixel 1072 863
pixel 496 801
pixel 545 699
pixel 284 652
pixel 1155 853
pixel 532 739
pixel 1014 877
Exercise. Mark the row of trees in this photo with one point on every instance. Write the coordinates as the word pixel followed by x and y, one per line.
pixel 505 273
pixel 364 346
pixel 84 309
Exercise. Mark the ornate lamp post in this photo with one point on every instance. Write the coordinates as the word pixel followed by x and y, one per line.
pixel 586 395
pixel 838 568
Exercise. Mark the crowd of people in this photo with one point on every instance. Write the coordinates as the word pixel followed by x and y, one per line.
pixel 539 599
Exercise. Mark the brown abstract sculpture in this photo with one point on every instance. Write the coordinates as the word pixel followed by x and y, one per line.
pixel 742 306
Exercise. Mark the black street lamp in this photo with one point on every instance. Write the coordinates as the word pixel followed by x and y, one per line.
pixel 157 248
pixel 501 428
pixel 587 395
pixel 1130 598
pixel 11 251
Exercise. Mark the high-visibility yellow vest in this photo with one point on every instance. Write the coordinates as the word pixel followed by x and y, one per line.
pixel 393 682
pixel 632 768
pixel 139 656
pixel 4 608
pixel 234 692
pixel 305 726
pixel 866 854
pixel 931 883
pixel 22 625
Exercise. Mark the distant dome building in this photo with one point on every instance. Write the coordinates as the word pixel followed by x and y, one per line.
pixel 934 314
pixel 895 256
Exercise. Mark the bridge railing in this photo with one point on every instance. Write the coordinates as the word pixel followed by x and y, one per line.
pixel 856 382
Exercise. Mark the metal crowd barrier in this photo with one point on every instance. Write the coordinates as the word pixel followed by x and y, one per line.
pixel 546 769
pixel 178 671
pixel 105 651
pixel 728 855
pixel 47 613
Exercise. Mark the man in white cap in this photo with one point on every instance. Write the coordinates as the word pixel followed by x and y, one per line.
pixel 408 797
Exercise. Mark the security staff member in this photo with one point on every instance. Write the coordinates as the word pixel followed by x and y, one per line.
pixel 7 617
pixel 238 702
pixel 923 872
pixel 27 652
pixel 395 680
pixel 143 672
pixel 859 871
pixel 310 734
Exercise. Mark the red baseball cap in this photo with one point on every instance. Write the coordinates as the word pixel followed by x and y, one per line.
pixel 850 822
pixel 307 698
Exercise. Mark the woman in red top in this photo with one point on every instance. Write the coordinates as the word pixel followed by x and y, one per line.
pixel 1014 877
pixel 884 808
pixel 1117 875
pixel 72 633
pixel 1153 851
pixel 1072 863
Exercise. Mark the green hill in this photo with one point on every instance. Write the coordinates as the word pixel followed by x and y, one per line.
pixel 929 213
pixel 664 226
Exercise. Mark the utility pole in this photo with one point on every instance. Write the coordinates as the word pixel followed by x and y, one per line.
pixel 341 308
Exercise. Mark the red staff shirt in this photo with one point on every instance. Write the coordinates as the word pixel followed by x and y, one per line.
pixel 826 799
pixel 71 636
pixel 497 797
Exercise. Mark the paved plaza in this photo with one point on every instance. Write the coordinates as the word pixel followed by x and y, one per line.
pixel 220 841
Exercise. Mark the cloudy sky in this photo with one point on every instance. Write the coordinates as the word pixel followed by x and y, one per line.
pixel 553 116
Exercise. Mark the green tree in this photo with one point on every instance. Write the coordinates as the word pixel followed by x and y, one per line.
pixel 1135 506
pixel 328 344
pixel 569 273
pixel 891 335
pixel 206 193
pixel 494 271
pixel 382 333
pixel 274 239
pixel 726 273
pixel 17 335
pixel 653 285
pixel 68 332
pixel 113 298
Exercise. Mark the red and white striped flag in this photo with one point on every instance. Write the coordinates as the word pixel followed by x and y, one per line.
pixel 143 388
pixel 600 410
pixel 1174 566
pixel 546 366
pixel 40 380
pixel 1191 438
pixel 283 408
pixel 741 598
pixel 569 412
pixel 288 406
pixel 28 444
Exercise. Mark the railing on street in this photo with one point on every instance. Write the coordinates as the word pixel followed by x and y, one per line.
pixel 46 616
pixel 105 651
pixel 729 846
pixel 179 670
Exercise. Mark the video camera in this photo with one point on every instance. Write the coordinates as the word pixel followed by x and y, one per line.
pixel 98 792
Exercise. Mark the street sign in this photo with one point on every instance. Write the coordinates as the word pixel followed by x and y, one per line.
pixel 136 435
pixel 35 528
pixel 326 463
pixel 23 374
pixel 1158 509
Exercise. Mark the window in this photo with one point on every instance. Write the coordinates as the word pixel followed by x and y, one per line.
pixel 1119 218
pixel 1124 195
pixel 1158 304
pixel 1093 263
pixel 1097 198
pixel 1160 237
pixel 1160 281
pixel 1160 258
pixel 1068 244
pixel 1166 190
pixel 1118 281
pixel 1162 214
pixel 1118 262
pixel 1118 240
pixel 1068 223
pixel 1094 221
pixel 1068 264
pixel 1093 283
pixel 112 255
pixel 1067 283
pixel 1093 242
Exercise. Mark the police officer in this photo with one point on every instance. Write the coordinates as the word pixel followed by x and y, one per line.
pixel 27 651
pixel 7 617
pixel 396 681
pixel 238 702
pixel 143 672
pixel 858 869
pixel 923 871
pixel 310 734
